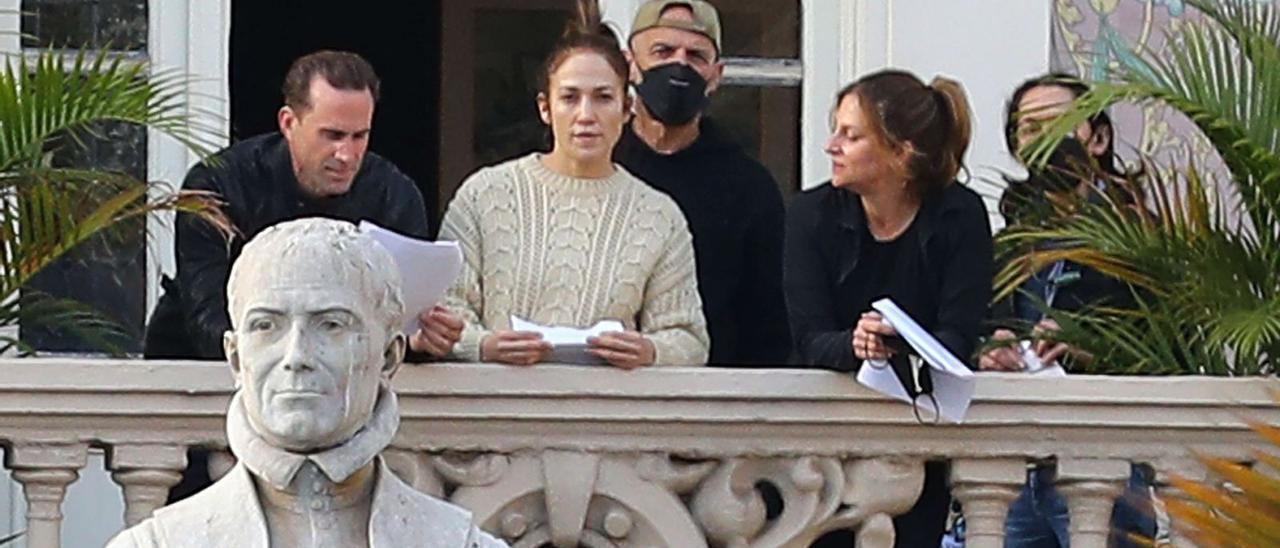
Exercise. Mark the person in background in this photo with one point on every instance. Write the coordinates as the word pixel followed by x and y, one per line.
pixel 732 203
pixel 1082 166
pixel 892 222
pixel 316 165
pixel 569 238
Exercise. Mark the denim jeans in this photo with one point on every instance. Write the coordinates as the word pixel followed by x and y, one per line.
pixel 1039 517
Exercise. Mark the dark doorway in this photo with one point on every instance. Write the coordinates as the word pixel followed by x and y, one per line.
pixel 400 39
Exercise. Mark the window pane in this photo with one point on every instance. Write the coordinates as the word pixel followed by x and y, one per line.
pixel 119 25
pixel 760 28
pixel 506 75
pixel 766 122
pixel 107 273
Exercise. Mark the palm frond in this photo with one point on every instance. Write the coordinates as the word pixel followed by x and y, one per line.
pixel 1208 285
pixel 1240 508
pixel 12 537
pixel 40 311
pixel 49 211
pixel 45 97
pixel 1225 77
pixel 50 105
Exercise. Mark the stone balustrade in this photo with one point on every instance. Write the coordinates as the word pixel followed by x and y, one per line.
pixel 577 456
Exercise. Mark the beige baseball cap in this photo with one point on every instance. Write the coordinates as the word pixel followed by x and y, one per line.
pixel 706 21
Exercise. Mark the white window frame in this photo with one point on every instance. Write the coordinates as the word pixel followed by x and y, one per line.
pixel 10 46
pixel 193 37
pixel 189 36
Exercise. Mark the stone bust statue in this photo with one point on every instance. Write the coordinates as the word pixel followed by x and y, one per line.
pixel 315 313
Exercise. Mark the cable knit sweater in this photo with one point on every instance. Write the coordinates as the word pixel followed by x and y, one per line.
pixel 559 250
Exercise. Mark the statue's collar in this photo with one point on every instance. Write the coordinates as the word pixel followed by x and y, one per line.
pixel 278 467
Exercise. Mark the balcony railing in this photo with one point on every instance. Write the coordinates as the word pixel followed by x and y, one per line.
pixel 663 457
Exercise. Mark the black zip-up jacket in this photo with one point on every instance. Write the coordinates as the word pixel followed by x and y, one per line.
pixel 735 214
pixel 255 179
pixel 945 285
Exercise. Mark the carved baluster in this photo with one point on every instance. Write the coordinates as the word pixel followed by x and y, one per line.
pixel 727 505
pixel 45 471
pixel 985 488
pixel 146 472
pixel 1091 487
pixel 875 490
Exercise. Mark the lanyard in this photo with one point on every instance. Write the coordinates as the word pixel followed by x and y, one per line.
pixel 1051 282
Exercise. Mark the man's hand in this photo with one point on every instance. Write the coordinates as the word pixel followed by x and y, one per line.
pixel 623 349
pixel 438 330
pixel 868 337
pixel 514 348
pixel 1006 357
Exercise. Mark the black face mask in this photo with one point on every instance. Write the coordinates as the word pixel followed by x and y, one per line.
pixel 673 93
pixel 1068 166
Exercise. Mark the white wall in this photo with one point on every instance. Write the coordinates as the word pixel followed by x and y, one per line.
pixel 988 45
pixel 93 511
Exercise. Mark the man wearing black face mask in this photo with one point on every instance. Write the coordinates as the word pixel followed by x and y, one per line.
pixel 731 202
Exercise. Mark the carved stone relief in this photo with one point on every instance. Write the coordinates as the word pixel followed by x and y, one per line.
pixel 570 498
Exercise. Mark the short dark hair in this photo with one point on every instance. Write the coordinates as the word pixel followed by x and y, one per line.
pixel 341 69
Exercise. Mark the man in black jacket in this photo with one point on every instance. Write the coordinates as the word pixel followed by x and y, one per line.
pixel 316 165
pixel 731 202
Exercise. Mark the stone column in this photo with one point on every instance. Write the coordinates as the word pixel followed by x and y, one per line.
pixel 146 472
pixel 1091 486
pixel 985 487
pixel 45 470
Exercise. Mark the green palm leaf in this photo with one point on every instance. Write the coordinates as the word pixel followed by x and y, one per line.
pixel 1208 286
pixel 47 104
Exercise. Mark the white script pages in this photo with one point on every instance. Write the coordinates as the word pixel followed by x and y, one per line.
pixel 569 344
pixel 427 269
pixel 953 382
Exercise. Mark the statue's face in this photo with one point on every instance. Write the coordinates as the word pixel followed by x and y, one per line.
pixel 308 353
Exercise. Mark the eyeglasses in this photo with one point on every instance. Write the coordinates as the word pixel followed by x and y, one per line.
pixel 913 373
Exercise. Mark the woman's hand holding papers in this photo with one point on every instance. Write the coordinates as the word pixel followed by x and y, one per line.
pixel 868 337
pixel 514 348
pixel 623 349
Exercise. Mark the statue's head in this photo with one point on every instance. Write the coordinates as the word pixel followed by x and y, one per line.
pixel 315 330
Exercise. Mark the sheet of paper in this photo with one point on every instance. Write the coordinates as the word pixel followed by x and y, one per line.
pixel 427 269
pixel 953 383
pixel 569 343
pixel 953 393
pixel 1037 367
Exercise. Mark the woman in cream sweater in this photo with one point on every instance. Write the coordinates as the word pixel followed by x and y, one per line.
pixel 568 237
